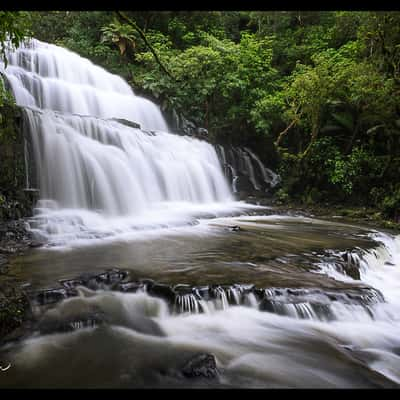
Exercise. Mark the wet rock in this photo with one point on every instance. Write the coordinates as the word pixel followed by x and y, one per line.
pixel 182 289
pixel 48 296
pixel 389 263
pixel 14 237
pixel 163 291
pixel 302 301
pixel 71 284
pixel 201 132
pixel 3 260
pixel 202 292
pixel 235 228
pixel 86 278
pixel 267 305
pixel 36 243
pixel 111 277
pixel 244 185
pixel 130 287
pixel 259 293
pixel 147 283
pixel 351 266
pixel 128 123
pixel 14 307
pixel 201 365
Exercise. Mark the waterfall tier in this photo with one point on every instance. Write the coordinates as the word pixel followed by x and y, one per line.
pixel 88 153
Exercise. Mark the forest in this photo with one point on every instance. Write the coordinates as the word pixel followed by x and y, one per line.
pixel 315 93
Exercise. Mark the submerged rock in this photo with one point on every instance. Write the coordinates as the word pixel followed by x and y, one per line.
pixel 54 325
pixel 201 365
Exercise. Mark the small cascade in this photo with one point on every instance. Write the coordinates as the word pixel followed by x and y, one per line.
pixel 187 303
pixel 245 170
pixel 298 303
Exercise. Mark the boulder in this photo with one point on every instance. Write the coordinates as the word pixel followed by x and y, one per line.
pixel 202 365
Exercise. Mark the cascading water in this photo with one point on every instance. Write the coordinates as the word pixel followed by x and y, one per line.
pixel 246 171
pixel 92 163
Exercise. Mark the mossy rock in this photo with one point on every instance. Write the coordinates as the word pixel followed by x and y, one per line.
pixel 14 307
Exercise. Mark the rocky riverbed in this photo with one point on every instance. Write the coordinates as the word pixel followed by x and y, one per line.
pixel 195 305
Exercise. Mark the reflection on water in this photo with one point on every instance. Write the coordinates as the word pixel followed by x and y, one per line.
pixel 210 252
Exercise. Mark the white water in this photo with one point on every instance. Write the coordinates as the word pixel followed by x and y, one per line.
pixel 252 348
pixel 91 169
pixel 51 77
pixel 245 161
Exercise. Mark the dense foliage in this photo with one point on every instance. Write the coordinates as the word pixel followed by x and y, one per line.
pixel 14 27
pixel 316 94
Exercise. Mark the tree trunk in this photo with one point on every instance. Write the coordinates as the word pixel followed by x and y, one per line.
pixel 353 136
pixel 143 36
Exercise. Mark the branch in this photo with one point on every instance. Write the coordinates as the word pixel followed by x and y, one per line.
pixel 283 133
pixel 143 36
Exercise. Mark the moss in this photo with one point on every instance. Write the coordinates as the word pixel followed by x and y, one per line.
pixel 14 202
pixel 14 307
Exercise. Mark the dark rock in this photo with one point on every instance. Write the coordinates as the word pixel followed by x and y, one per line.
pixel 3 260
pixel 10 235
pixel 126 122
pixel 183 289
pixel 71 283
pixel 267 305
pixel 259 293
pixel 202 132
pixel 111 276
pixel 201 365
pixel 351 266
pixel 147 283
pixel 91 282
pixel 202 292
pixel 48 296
pixel 35 244
pixel 163 291
pixel 244 184
pixel 235 228
pixel 130 287
pixel 389 263
pixel 14 307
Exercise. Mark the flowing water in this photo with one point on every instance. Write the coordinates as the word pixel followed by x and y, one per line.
pixel 278 300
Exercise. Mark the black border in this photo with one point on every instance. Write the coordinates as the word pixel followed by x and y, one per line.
pixel 201 5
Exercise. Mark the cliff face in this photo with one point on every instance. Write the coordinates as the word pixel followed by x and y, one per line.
pixel 16 199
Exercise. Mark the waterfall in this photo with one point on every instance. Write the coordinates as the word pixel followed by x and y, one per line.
pixel 245 171
pixel 99 150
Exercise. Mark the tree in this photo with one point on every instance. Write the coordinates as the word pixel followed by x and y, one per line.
pixel 123 35
pixel 14 28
